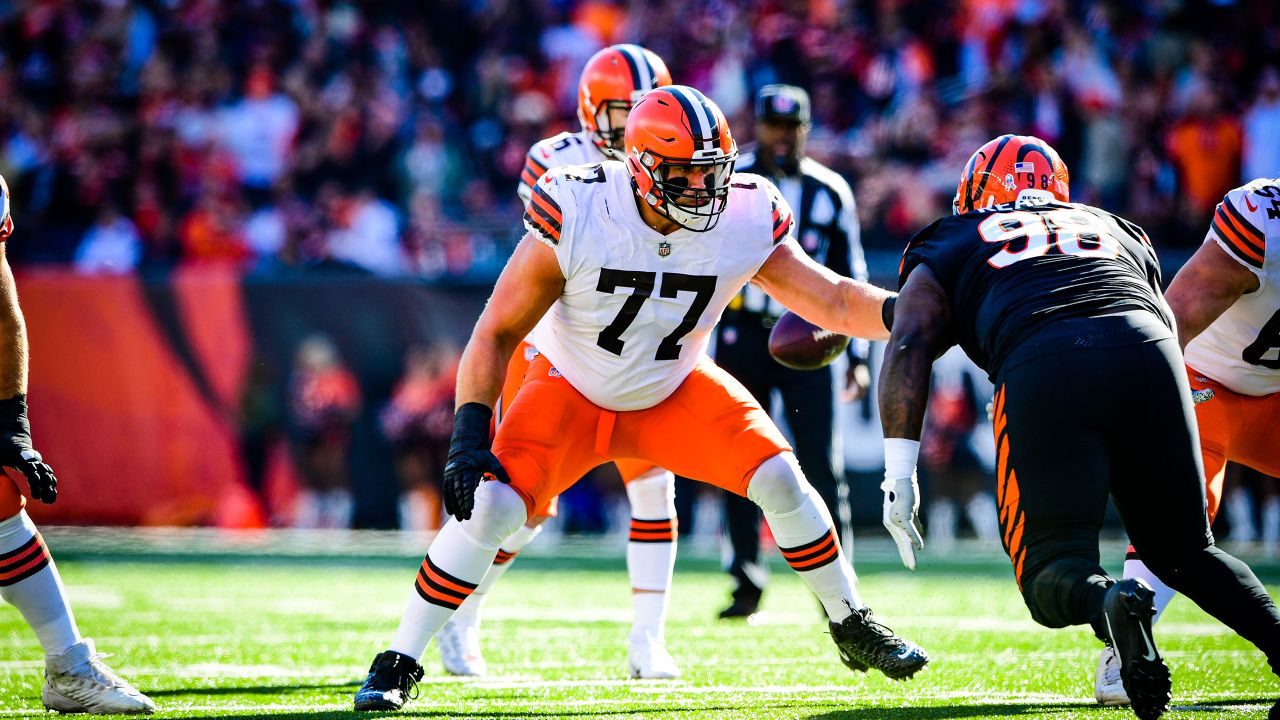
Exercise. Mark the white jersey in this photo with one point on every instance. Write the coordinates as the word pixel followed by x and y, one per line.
pixel 638 307
pixel 553 152
pixel 1241 349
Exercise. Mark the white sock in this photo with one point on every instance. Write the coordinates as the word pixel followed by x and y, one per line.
pixel 307 513
pixel 1271 524
pixel 650 614
pixel 455 564
pixel 983 516
pixel 802 527
pixel 1135 568
pixel 30 582
pixel 469 612
pixel 651 546
pixel 1239 509
pixel 940 529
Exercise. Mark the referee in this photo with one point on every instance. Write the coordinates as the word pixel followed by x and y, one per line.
pixel 827 228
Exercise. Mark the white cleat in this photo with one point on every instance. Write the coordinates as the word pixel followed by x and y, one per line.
pixel 1107 686
pixel 77 681
pixel 648 659
pixel 460 649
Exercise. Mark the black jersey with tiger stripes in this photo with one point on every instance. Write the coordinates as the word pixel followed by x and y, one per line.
pixel 1012 272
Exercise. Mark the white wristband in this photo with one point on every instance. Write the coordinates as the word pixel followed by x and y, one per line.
pixel 900 456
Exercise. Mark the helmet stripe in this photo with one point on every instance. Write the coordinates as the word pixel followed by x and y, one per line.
pixel 986 172
pixel 701 120
pixel 635 65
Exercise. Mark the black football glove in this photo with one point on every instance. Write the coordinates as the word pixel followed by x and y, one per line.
pixel 470 459
pixel 16 451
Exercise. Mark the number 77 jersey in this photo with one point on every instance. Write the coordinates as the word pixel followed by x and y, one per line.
pixel 1241 349
pixel 1011 271
pixel 638 307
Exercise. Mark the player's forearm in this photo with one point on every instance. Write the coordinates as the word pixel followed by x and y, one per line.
pixel 904 386
pixel 861 310
pixel 483 368
pixel 13 336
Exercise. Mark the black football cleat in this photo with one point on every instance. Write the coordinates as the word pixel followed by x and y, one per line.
pixel 746 602
pixel 865 644
pixel 392 682
pixel 1127 610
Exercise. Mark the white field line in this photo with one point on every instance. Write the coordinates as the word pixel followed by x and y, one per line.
pixel 998 698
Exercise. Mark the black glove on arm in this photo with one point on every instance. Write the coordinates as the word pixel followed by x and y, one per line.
pixel 470 459
pixel 16 451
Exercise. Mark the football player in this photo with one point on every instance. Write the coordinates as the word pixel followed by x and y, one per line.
pixel 75 678
pixel 612 81
pixel 1226 300
pixel 1061 305
pixel 632 265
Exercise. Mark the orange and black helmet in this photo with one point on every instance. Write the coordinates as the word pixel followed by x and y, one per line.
pixel 678 127
pixel 616 77
pixel 1008 168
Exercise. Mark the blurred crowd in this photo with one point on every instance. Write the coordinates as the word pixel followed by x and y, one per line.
pixel 389 135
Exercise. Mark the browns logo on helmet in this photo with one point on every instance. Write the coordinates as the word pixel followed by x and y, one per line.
pixel 680 154
pixel 1011 168
pixel 615 78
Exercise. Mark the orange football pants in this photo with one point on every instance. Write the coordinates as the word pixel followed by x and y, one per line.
pixel 629 469
pixel 1240 428
pixel 710 428
pixel 11 498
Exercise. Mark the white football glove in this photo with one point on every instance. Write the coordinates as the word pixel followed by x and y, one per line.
pixel 901 509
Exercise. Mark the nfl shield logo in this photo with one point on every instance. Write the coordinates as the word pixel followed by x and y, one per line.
pixel 664 248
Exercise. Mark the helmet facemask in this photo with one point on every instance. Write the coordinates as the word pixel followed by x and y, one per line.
pixel 670 194
pixel 607 137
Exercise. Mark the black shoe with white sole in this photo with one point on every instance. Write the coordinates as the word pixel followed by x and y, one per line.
pixel 393 681
pixel 865 643
pixel 1127 610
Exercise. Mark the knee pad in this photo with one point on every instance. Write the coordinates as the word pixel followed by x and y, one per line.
pixel 653 495
pixel 498 512
pixel 1057 594
pixel 778 485
pixel 1040 602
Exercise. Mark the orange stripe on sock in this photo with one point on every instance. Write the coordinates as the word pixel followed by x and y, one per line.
pixel 27 565
pixel 822 559
pixel 653 524
pixel 442 581
pixel 431 594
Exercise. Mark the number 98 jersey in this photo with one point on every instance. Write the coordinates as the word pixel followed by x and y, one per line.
pixel 638 307
pixel 1241 349
pixel 1012 270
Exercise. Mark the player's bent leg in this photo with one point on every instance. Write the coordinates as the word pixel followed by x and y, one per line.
pixel 651 556
pixel 802 527
pixel 454 565
pixel 459 638
pixel 1162 504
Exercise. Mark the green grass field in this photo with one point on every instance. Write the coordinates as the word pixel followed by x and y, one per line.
pixel 220 634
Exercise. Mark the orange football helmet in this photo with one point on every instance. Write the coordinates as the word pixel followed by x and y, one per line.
pixel 616 78
pixel 1010 168
pixel 675 136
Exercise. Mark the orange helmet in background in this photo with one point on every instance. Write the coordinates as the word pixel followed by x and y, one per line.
pixel 677 127
pixel 1010 168
pixel 616 78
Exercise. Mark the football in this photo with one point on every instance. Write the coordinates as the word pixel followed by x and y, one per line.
pixel 801 345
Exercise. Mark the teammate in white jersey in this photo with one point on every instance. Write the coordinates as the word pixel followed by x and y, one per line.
pixel 611 82
pixel 633 265
pixel 1226 300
